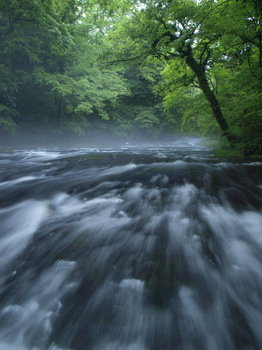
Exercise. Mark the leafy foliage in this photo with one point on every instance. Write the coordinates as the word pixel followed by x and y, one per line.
pixel 133 67
pixel 213 56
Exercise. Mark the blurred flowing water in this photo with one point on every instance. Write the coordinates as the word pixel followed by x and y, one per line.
pixel 130 248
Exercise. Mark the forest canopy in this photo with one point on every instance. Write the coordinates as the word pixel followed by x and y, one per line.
pixel 132 68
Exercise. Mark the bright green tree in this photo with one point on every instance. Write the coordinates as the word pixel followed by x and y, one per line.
pixel 206 46
pixel 52 72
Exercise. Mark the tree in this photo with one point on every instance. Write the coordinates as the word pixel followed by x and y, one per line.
pixel 196 37
pixel 176 30
pixel 53 77
pixel 141 112
pixel 33 40
pixel 77 64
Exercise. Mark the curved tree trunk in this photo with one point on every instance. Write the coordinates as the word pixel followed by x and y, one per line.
pixel 199 70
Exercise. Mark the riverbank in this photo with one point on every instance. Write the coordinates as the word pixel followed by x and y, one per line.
pixel 222 149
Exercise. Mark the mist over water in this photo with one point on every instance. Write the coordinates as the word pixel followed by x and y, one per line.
pixel 154 247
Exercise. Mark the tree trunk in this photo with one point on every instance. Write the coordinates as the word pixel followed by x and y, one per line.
pixel 199 70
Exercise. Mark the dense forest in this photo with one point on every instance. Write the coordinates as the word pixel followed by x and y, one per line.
pixel 132 68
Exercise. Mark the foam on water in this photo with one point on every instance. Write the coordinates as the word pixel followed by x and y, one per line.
pixel 31 320
pixel 19 180
pixel 152 249
pixel 18 224
pixel 119 169
pixel 40 154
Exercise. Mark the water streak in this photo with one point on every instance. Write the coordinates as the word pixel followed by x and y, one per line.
pixel 130 248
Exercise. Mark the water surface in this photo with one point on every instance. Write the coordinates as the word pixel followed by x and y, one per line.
pixel 130 248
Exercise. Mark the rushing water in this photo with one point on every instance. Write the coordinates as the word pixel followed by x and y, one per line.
pixel 132 248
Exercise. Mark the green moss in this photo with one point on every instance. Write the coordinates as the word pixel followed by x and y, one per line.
pixel 255 156
pixel 239 150
pixel 227 153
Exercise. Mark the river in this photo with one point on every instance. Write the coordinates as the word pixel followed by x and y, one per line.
pixel 154 247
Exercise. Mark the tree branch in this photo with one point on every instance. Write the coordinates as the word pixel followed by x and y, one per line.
pixel 249 64
pixel 143 56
